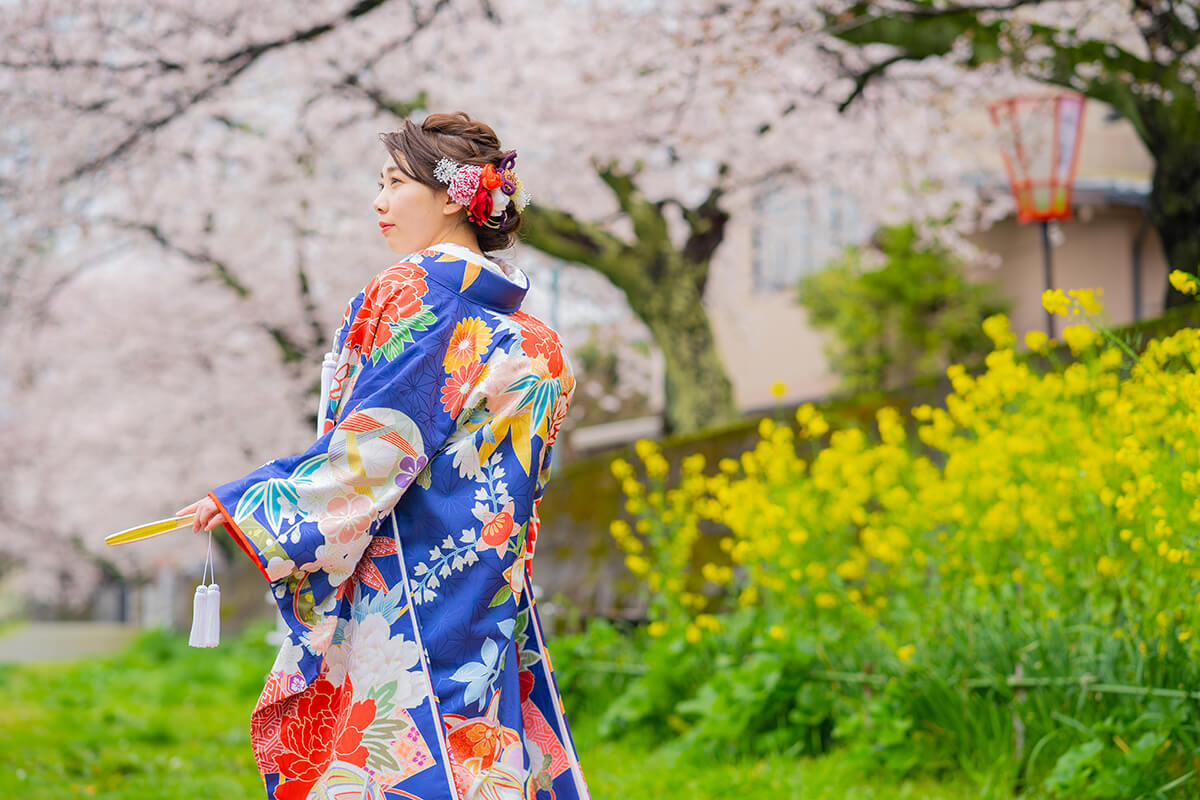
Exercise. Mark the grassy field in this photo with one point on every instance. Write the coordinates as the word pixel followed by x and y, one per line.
pixel 162 721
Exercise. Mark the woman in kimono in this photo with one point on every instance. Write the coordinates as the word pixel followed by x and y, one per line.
pixel 399 544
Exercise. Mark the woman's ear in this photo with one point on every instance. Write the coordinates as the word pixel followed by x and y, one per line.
pixel 449 207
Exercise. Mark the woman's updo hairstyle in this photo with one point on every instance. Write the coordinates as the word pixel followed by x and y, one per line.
pixel 416 149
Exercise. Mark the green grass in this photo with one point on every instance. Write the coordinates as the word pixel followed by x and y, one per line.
pixel 622 769
pixel 163 721
pixel 160 720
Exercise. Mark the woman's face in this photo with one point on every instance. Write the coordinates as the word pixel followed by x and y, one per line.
pixel 412 216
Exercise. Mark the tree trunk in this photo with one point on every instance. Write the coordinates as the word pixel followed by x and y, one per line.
pixel 664 285
pixel 698 391
pixel 1175 210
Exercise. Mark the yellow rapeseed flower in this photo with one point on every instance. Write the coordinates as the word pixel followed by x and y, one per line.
pixel 657 466
pixel 657 628
pixel 1184 282
pixel 1079 337
pixel 1037 341
pixel 778 389
pixel 1087 299
pixel 621 468
pixel 997 329
pixel 1054 301
pixel 1048 494
pixel 619 528
pixel 645 448
pixel 906 652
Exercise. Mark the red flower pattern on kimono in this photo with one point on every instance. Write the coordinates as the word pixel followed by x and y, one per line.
pixel 556 417
pixel 327 726
pixel 393 295
pixel 538 340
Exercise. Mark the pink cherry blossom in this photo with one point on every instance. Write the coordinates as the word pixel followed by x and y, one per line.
pixel 346 518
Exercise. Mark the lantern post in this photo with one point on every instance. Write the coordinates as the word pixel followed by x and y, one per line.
pixel 1039 140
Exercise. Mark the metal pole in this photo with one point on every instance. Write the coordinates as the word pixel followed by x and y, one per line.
pixel 1048 271
pixel 1138 239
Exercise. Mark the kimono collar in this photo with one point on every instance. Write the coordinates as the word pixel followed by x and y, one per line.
pixel 491 282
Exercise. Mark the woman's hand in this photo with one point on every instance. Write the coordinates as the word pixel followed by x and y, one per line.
pixel 208 516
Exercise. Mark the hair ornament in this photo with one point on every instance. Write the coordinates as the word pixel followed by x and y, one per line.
pixel 486 191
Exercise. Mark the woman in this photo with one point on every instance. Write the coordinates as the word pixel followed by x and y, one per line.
pixel 399 544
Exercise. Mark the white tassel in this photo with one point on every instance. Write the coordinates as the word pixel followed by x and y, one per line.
pixel 199 617
pixel 213 629
pixel 328 368
pixel 206 608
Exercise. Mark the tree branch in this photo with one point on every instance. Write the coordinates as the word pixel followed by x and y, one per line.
pixel 219 268
pixel 234 63
pixel 562 235
pixel 916 9
pixel 861 79
pixel 649 225
pixel 924 35
pixel 1166 28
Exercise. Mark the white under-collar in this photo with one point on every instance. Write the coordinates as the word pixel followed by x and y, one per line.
pixel 499 266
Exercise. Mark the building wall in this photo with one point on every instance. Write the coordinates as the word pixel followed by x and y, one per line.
pixel 1095 253
pixel 764 336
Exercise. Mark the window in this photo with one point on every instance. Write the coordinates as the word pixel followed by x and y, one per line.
pixel 798 229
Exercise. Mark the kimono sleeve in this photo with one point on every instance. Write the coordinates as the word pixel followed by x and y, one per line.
pixel 306 519
pixel 546 467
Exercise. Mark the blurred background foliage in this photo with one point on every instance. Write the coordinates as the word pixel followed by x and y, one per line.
pixel 897 310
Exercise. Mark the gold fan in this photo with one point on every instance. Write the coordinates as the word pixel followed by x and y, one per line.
pixel 149 530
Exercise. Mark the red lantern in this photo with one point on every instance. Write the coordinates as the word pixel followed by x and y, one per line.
pixel 1039 139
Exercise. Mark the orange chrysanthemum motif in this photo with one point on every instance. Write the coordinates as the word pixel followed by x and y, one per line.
pixel 458 386
pixel 470 341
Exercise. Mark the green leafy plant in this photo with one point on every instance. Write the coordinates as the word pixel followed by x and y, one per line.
pixel 910 317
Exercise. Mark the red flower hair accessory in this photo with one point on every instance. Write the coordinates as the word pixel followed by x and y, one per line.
pixel 486 190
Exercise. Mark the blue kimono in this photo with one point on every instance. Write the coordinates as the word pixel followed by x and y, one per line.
pixel 399 547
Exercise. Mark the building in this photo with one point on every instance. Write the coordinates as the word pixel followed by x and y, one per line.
pixel 1108 243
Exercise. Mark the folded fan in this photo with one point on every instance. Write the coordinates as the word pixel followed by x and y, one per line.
pixel 149 530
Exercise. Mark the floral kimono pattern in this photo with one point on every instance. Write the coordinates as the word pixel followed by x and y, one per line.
pixel 399 546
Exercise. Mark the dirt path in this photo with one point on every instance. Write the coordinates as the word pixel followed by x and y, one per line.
pixel 62 641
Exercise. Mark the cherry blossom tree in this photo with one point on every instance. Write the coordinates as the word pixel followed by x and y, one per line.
pixel 186 199
pixel 712 103
pixel 185 194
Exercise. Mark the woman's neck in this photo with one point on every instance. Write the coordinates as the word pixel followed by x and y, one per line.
pixel 463 238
